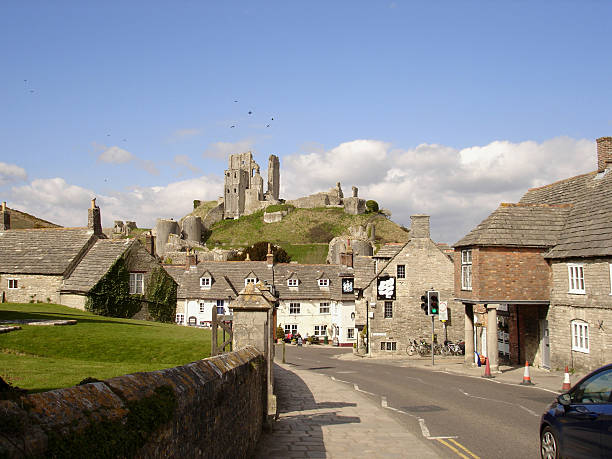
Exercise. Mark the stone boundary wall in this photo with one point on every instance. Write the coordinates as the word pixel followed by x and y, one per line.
pixel 209 408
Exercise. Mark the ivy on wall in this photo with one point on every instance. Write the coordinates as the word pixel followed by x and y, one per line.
pixel 111 295
pixel 161 294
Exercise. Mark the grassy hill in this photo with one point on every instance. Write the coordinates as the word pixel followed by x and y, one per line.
pixel 41 358
pixel 303 232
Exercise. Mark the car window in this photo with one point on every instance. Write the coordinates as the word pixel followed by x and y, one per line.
pixel 597 389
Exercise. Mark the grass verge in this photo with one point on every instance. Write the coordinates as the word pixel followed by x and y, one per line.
pixel 41 358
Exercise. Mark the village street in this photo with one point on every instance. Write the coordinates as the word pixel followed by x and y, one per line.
pixel 484 418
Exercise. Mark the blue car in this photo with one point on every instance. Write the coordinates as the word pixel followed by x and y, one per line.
pixel 579 422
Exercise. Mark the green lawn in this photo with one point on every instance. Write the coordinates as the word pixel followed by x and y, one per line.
pixel 41 358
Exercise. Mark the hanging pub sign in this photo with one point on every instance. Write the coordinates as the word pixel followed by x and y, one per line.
pixel 348 285
pixel 385 288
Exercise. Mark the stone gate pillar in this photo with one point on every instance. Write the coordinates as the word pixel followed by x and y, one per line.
pixel 469 333
pixel 253 325
pixel 492 346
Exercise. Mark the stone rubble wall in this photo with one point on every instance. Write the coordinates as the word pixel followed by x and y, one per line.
pixel 221 404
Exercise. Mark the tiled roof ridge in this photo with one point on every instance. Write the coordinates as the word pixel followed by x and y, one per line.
pixel 521 204
pixel 561 181
pixel 59 228
pixel 33 216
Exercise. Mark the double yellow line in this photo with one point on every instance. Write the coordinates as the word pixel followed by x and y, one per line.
pixel 459 449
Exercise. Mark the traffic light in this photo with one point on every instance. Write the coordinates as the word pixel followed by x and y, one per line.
pixel 433 300
pixel 424 302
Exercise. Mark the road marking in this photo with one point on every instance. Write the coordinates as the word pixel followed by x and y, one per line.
pixel 533 413
pixel 498 382
pixel 452 448
pixel 424 429
pixel 383 402
pixel 464 448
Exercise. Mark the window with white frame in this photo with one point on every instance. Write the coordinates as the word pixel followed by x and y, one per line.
pixel 350 333
pixel 180 318
pixel 576 278
pixel 205 282
pixel 388 345
pixel 221 307
pixel 292 282
pixel 466 269
pixel 388 309
pixel 323 308
pixel 202 307
pixel 136 283
pixel 294 308
pixel 323 282
pixel 580 336
pixel 290 329
pixel 320 330
pixel 401 271
pixel 250 280
pixel 13 284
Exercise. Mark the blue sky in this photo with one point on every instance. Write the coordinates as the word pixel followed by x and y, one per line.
pixel 132 102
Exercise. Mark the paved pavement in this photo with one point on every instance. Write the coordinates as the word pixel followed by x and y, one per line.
pixel 323 418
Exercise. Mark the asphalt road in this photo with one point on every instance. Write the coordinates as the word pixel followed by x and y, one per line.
pixel 462 415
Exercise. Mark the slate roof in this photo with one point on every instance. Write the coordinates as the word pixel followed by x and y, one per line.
pixel 389 250
pixel 572 217
pixel 588 228
pixel 51 251
pixel 227 278
pixel 96 263
pixel 524 225
pixel 364 270
pixel 308 287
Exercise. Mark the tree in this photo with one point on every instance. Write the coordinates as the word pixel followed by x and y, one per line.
pixel 259 252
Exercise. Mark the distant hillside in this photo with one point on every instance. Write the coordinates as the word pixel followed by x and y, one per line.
pixel 303 233
pixel 21 220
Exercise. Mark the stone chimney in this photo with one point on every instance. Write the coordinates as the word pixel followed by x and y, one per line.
pixel 604 153
pixel 94 221
pixel 191 261
pixel 419 226
pixel 270 256
pixel 5 218
pixel 150 243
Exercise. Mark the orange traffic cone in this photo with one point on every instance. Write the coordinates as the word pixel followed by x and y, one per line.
pixel 526 378
pixel 566 380
pixel 487 373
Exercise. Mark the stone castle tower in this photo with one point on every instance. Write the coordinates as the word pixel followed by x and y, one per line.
pixel 243 191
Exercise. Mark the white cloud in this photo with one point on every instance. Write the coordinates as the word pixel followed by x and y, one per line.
pixel 59 202
pixel 185 133
pixel 223 149
pixel 185 162
pixel 115 155
pixel 457 188
pixel 10 173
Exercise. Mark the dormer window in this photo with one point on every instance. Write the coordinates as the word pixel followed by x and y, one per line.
pixel 323 282
pixel 250 280
pixel 292 282
pixel 205 282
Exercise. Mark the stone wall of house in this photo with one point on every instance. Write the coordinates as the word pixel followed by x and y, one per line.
pixel 503 273
pixel 31 287
pixel 73 300
pixel 599 321
pixel 220 407
pixel 426 267
pixel 594 307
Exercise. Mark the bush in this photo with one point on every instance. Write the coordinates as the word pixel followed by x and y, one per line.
pixel 196 203
pixel 371 206
pixel 280 333
pixel 313 340
pixel 278 208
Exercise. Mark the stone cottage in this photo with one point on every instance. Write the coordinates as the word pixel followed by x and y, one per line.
pixel 535 277
pixel 389 288
pixel 62 265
